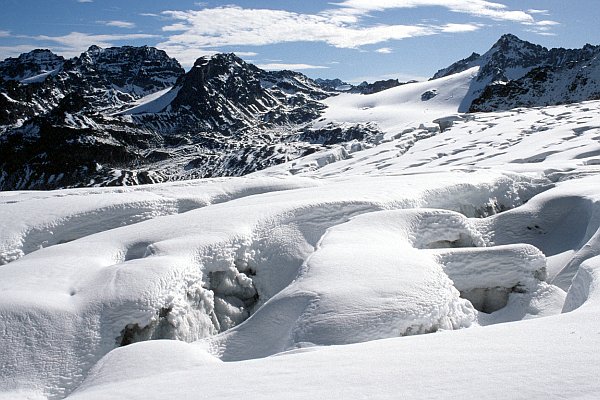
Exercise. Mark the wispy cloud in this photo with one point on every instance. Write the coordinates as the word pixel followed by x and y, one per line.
pixel 535 11
pixel 458 28
pixel 282 66
pixel 4 33
pixel 476 8
pixel 543 28
pixel 211 28
pixel 85 1
pixel 214 27
pixel 384 50
pixel 346 24
pixel 119 24
pixel 15 51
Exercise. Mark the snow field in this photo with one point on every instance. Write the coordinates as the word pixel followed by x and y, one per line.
pixel 192 275
pixel 554 141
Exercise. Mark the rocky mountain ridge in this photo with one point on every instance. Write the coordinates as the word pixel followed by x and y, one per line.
pixel 132 115
pixel 516 73
pixel 128 115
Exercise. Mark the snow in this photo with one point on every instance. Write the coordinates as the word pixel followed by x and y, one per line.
pixel 153 103
pixel 40 77
pixel 458 257
pixel 401 107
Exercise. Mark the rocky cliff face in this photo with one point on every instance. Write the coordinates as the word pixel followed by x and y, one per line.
pixel 132 115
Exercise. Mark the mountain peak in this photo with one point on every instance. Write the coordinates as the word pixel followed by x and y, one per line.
pixel 511 46
pixel 30 64
pixel 219 58
pixel 508 38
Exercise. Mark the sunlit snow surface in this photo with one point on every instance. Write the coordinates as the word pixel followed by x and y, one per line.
pixel 278 285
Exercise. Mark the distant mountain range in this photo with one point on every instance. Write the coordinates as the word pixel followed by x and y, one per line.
pixel 132 115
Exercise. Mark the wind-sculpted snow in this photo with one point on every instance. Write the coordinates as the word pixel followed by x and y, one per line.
pixel 358 284
pixel 551 140
pixel 550 357
pixel 192 275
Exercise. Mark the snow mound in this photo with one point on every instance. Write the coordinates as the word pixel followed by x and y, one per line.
pixel 191 275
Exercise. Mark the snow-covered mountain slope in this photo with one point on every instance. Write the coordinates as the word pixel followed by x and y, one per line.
pixel 544 86
pixel 108 125
pixel 31 67
pixel 540 140
pixel 401 107
pixel 407 249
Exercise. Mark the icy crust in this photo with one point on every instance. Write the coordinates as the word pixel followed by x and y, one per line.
pixel 402 272
pixel 502 266
pixel 558 357
pixel 194 274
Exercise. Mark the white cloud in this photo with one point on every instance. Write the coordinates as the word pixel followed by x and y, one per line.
pixel 184 54
pixel 85 1
pixel 4 33
pixel 543 28
pixel 384 50
pixel 457 28
pixel 534 11
pixel 211 28
pixel 281 66
pixel 547 23
pixel 476 8
pixel 346 24
pixel 119 24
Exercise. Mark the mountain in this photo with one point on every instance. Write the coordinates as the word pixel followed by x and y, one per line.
pixel 105 78
pixel 131 115
pixel 517 73
pixel 337 85
pixel 570 81
pixel 31 67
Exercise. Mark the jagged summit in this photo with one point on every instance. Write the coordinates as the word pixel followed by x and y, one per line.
pixel 511 61
pixel 459 66
pixel 29 65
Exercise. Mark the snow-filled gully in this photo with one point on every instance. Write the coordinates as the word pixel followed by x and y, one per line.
pixel 270 272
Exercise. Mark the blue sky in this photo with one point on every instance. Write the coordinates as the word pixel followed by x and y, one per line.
pixel 351 39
